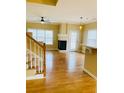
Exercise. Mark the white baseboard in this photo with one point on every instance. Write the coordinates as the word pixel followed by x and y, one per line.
pixel 33 77
pixel 88 72
pixel 63 51
pixel 51 49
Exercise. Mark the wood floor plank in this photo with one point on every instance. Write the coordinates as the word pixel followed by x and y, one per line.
pixel 64 75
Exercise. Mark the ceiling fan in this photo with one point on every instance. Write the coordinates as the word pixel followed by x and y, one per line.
pixel 40 19
pixel 43 20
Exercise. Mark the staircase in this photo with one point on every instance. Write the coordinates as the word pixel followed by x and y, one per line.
pixel 35 58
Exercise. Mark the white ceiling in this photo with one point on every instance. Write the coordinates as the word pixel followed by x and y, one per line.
pixel 66 11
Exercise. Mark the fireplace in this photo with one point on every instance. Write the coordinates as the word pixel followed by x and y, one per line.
pixel 62 44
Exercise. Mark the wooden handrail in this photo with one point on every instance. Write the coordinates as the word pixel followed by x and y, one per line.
pixel 41 45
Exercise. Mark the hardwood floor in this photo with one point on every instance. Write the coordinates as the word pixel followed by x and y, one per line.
pixel 64 75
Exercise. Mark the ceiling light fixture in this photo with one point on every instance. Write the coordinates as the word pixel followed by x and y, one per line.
pixel 81 22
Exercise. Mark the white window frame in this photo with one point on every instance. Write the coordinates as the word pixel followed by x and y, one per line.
pixel 90 38
pixel 44 35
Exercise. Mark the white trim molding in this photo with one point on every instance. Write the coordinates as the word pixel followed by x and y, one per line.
pixel 89 73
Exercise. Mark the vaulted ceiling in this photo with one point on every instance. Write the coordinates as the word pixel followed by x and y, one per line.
pixel 47 2
pixel 65 11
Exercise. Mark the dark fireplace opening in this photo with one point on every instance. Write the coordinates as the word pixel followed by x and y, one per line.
pixel 62 45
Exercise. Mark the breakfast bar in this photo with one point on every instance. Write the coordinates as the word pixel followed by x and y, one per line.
pixel 90 62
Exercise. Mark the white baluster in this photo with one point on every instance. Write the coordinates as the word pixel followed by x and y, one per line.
pixel 40 59
pixel 27 59
pixel 30 62
pixel 37 61
pixel 35 53
pixel 33 58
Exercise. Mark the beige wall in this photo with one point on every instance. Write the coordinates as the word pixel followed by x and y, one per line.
pixel 58 29
pixel 90 64
pixel 54 27
pixel 91 26
pixel 64 30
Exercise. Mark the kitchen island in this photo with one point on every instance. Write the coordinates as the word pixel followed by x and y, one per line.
pixel 90 63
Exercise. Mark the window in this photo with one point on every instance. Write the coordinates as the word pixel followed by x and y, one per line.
pixel 33 32
pixel 91 38
pixel 49 37
pixel 40 35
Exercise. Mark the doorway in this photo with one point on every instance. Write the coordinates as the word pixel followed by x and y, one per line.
pixel 73 40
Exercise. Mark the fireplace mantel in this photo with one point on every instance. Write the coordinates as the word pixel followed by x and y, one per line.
pixel 62 37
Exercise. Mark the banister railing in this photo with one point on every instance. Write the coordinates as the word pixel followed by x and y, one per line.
pixel 41 44
pixel 36 55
